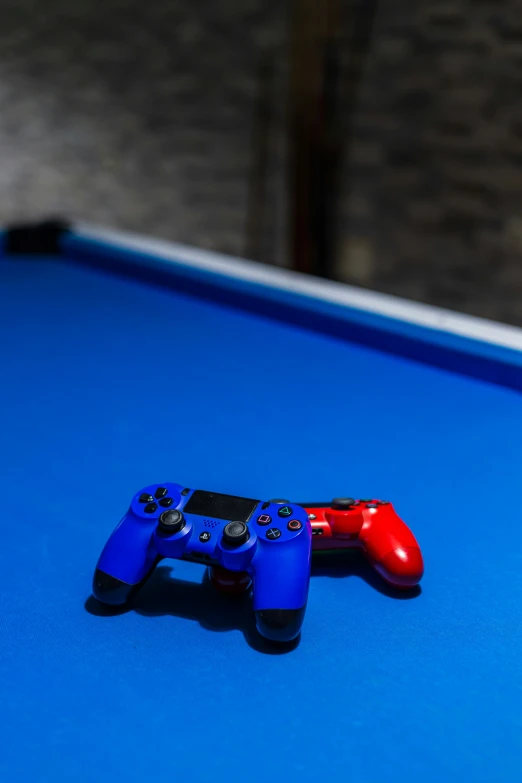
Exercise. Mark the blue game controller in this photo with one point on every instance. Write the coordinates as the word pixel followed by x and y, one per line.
pixel 271 541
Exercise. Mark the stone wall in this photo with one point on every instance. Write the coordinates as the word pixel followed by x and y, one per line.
pixel 142 116
pixel 432 203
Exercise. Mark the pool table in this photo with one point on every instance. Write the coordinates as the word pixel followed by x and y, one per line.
pixel 128 361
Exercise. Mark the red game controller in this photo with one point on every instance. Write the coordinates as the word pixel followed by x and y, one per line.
pixel 369 525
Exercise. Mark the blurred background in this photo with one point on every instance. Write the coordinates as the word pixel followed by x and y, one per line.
pixel 377 143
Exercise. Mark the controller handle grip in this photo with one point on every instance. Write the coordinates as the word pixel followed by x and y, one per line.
pixel 127 560
pixel 392 547
pixel 280 579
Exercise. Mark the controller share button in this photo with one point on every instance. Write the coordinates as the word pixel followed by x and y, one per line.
pixel 294 525
pixel 273 533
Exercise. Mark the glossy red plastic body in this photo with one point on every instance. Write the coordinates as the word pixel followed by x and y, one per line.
pixel 372 526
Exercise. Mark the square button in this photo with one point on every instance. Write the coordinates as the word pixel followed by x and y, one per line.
pixel 264 519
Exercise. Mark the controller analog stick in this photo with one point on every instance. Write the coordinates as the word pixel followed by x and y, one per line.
pixel 342 504
pixel 235 533
pixel 171 521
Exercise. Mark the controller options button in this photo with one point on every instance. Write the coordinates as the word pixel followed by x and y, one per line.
pixel 236 533
pixel 264 519
pixel 265 505
pixel 285 511
pixel 205 536
pixel 146 498
pixel 383 502
pixel 273 533
pixel 294 525
pixel 150 508
pixel 172 521
pixel 160 492
pixel 343 504
pixel 166 502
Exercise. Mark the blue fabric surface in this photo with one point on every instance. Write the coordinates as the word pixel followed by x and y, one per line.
pixel 109 385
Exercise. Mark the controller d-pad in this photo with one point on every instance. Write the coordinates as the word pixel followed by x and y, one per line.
pixel 146 498
pixel 160 492
pixel 150 508
pixel 166 502
pixel 273 533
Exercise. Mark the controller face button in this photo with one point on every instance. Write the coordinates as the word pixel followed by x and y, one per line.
pixel 205 536
pixel 160 493
pixel 146 498
pixel 171 521
pixel 343 504
pixel 150 508
pixel 273 533
pixel 264 519
pixel 285 511
pixel 166 502
pixel 294 525
pixel 236 533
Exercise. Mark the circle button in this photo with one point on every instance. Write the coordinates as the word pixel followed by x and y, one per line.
pixel 294 525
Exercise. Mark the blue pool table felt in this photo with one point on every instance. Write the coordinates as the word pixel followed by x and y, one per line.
pixel 108 385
